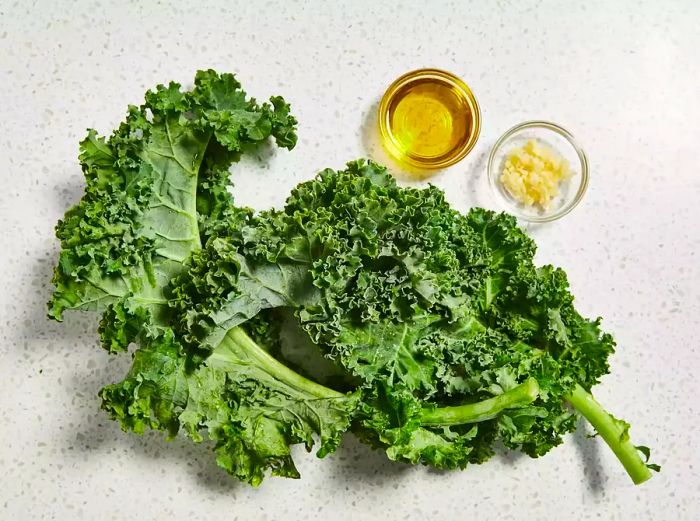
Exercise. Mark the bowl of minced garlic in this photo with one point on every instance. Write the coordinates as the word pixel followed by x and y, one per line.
pixel 538 171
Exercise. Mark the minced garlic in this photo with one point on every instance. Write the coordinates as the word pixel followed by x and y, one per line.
pixel 532 173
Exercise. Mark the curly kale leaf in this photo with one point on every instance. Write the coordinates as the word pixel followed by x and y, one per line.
pixel 147 189
pixel 252 406
pixel 222 289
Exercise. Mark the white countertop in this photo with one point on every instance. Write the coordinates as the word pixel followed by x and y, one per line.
pixel 623 76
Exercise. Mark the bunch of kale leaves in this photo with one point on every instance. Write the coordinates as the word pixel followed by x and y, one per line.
pixel 449 338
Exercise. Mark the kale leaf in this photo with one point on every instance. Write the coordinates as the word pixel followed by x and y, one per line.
pixel 438 315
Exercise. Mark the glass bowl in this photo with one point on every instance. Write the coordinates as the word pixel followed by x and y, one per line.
pixel 432 100
pixel 571 190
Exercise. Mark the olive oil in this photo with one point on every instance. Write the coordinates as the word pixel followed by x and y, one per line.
pixel 429 119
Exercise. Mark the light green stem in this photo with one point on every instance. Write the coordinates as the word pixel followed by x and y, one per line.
pixel 613 431
pixel 518 396
pixel 255 356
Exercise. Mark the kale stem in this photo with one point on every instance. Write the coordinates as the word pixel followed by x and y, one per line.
pixel 239 346
pixel 520 395
pixel 615 432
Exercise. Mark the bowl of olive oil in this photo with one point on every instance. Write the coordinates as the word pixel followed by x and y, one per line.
pixel 429 119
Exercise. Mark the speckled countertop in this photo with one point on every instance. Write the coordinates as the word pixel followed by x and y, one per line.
pixel 623 76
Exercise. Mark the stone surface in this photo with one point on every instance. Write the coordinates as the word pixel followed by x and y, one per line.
pixel 622 76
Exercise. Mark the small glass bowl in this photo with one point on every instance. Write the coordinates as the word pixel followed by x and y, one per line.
pixel 560 140
pixel 453 90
